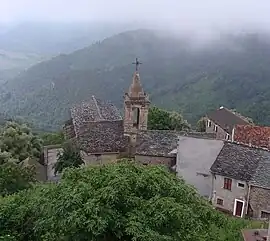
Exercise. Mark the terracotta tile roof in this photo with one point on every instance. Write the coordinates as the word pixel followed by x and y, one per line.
pixel 254 135
pixel 226 119
pixel 239 161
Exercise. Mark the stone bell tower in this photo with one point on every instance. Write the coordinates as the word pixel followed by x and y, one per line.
pixel 136 103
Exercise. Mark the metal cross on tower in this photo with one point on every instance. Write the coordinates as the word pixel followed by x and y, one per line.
pixel 137 63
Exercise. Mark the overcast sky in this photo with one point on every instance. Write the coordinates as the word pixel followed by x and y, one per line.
pixel 173 12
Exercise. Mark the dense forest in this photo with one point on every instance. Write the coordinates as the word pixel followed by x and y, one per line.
pixel 232 71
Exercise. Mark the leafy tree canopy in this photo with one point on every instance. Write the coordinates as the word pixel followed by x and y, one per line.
pixel 70 157
pixel 201 125
pixel 14 178
pixel 124 201
pixel 160 119
pixel 18 142
pixel 52 138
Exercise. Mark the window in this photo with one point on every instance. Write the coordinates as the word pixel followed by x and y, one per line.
pixel 220 201
pixel 242 185
pixel 215 128
pixel 227 183
pixel 227 136
pixel 209 123
pixel 265 215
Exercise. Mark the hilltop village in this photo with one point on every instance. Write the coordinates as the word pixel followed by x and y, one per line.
pixel 229 163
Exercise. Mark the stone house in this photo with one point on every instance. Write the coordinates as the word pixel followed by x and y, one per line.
pixel 259 191
pixel 195 156
pixel 239 174
pixel 222 122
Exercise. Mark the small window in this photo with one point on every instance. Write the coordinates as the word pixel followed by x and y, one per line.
pixel 265 215
pixel 220 201
pixel 215 128
pixel 227 136
pixel 209 123
pixel 242 185
pixel 227 183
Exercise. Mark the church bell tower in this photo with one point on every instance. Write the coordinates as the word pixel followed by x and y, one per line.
pixel 136 103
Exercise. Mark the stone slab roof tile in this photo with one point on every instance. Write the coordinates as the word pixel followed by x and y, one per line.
pixel 162 142
pixel 238 161
pixel 102 137
pixel 261 177
pixel 93 110
pixel 156 142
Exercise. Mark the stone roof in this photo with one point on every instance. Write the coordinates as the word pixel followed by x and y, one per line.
pixel 102 136
pixel 162 142
pixel 253 135
pixel 226 119
pixel 156 142
pixel 261 177
pixel 92 111
pixel 239 161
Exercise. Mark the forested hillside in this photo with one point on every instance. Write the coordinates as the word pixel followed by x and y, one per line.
pixel 233 72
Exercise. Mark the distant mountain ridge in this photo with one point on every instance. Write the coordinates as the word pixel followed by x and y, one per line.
pixel 231 72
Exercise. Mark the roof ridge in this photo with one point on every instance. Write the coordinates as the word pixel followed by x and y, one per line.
pixel 247 145
pixel 97 107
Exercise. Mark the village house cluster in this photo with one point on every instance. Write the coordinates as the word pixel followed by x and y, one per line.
pixel 229 164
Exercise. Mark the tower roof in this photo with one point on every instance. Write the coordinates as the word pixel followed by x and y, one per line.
pixel 135 89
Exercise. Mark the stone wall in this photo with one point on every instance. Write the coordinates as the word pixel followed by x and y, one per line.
pixel 155 160
pixel 50 158
pixel 220 133
pixel 228 196
pixel 259 200
pixel 68 130
pixel 99 159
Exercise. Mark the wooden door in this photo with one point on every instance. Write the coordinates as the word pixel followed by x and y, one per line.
pixel 239 208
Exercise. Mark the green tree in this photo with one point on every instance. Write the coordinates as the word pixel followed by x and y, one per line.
pixel 201 125
pixel 19 141
pixel 52 138
pixel 160 119
pixel 123 201
pixel 70 157
pixel 14 177
pixel 177 122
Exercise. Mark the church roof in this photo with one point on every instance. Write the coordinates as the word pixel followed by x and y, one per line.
pixel 102 136
pixel 163 142
pixel 156 142
pixel 92 111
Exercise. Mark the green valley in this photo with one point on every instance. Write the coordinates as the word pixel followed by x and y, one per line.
pixel 232 71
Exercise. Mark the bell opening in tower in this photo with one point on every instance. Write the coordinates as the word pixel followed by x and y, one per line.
pixel 136 116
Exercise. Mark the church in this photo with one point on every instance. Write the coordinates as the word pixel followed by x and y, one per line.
pixel 104 136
